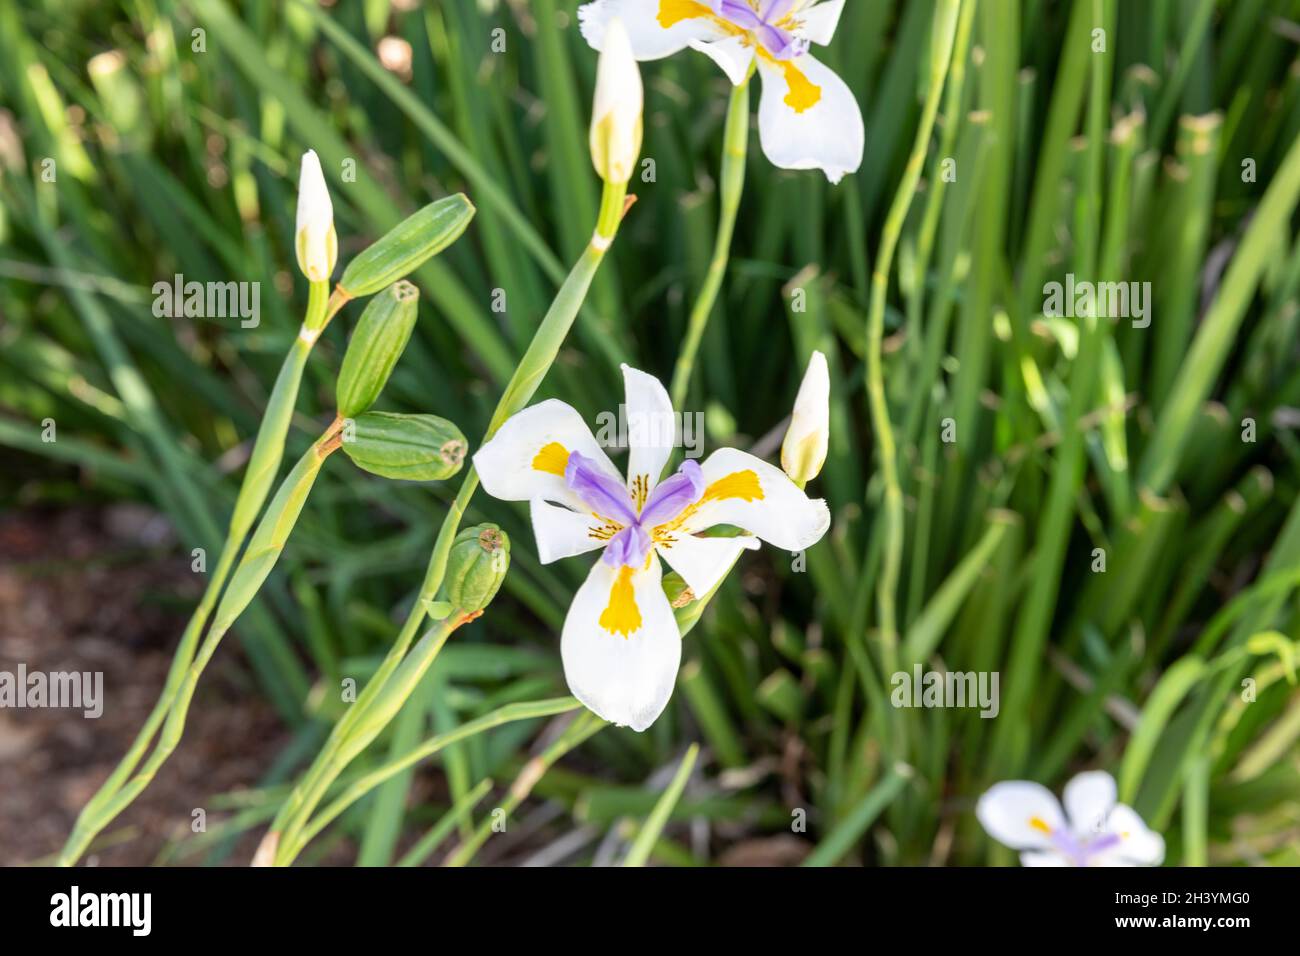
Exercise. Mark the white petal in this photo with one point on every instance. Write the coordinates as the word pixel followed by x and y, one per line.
pixel 651 430
pixel 624 676
pixel 1020 814
pixel 315 241
pixel 749 493
pixel 561 533
pixel 818 22
pixel 643 19
pixel 703 562
pixel 733 53
pixel 615 137
pixel 1042 858
pixel 1088 800
pixel 315 210
pixel 806 441
pixel 525 459
pixel 808 118
pixel 1138 846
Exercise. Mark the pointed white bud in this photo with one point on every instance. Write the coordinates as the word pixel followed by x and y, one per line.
pixel 804 450
pixel 616 115
pixel 314 238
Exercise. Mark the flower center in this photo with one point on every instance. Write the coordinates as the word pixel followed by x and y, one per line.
pixel 608 499
pixel 1081 851
pixel 761 20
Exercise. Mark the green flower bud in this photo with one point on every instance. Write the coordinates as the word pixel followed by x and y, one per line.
pixel 476 566
pixel 408 447
pixel 376 345
pixel 407 245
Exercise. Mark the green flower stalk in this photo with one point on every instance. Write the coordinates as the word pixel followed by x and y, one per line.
pixel 945 25
pixel 477 566
pixel 404 248
pixel 315 219
pixel 259 559
pixel 735 148
pixel 280 845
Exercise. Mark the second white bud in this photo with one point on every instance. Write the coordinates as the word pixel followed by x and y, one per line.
pixel 804 450
pixel 314 238
pixel 617 113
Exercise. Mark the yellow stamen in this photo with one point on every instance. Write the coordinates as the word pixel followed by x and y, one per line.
pixel 640 491
pixel 621 615
pixel 673 12
pixel 803 93
pixel 1039 824
pixel 553 458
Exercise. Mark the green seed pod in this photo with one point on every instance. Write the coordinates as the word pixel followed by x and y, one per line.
pixel 376 345
pixel 408 447
pixel 476 566
pixel 407 245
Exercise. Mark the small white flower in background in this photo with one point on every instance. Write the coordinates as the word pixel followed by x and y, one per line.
pixel 616 115
pixel 314 238
pixel 804 450
pixel 1093 830
pixel 807 117
pixel 621 645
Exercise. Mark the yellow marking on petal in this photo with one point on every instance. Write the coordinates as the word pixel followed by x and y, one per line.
pixel 673 12
pixel 621 615
pixel 1041 825
pixel 803 93
pixel 553 459
pixel 738 484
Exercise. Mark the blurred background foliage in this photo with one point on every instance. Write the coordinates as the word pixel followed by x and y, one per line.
pixel 1034 450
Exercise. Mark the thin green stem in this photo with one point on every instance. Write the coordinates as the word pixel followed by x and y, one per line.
pixel 263 465
pixel 944 27
pixel 265 547
pixel 510 713
pixel 584 726
pixel 735 145
pixel 523 384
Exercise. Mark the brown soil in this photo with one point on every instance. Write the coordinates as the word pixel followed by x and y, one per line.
pixel 106 590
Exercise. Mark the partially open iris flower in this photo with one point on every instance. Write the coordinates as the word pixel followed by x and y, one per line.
pixel 621 645
pixel 1094 830
pixel 807 118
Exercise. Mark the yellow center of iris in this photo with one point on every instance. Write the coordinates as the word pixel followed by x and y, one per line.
pixel 621 615
pixel 553 459
pixel 1041 825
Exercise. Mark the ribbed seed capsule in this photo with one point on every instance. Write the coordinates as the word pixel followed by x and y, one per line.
pixel 406 447
pixel 406 246
pixel 376 345
pixel 476 566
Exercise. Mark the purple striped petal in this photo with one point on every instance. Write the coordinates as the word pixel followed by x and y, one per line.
pixel 779 43
pixel 740 13
pixel 774 10
pixel 673 494
pixel 604 495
